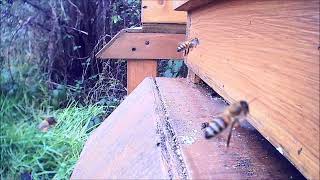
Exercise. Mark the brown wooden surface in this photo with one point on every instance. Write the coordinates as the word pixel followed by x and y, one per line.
pixel 138 70
pixel 135 45
pixel 161 11
pixel 187 5
pixel 124 145
pixel 249 156
pixel 154 135
pixel 265 52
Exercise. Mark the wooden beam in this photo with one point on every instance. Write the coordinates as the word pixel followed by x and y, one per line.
pixel 135 44
pixel 138 70
pixel 266 52
pixel 161 11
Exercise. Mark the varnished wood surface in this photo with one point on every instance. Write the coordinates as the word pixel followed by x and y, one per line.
pixel 265 52
pixel 161 11
pixel 138 70
pixel 135 44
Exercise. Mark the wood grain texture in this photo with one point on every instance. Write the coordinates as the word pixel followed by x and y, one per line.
pixel 265 52
pixel 161 11
pixel 124 145
pixel 249 156
pixel 138 70
pixel 136 45
pixel 152 134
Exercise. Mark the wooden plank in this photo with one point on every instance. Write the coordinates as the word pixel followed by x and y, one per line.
pixel 124 145
pixel 187 5
pixel 138 70
pixel 249 156
pixel 135 45
pixel 161 11
pixel 266 52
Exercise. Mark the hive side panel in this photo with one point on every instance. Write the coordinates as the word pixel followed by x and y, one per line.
pixel 266 52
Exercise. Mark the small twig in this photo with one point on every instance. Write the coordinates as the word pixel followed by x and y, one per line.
pixel 75 6
pixel 83 32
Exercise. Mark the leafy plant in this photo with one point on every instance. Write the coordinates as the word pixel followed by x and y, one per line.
pixel 24 149
pixel 172 68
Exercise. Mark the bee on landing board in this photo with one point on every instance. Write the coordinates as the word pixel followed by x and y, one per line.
pixel 232 115
pixel 187 45
pixel 46 124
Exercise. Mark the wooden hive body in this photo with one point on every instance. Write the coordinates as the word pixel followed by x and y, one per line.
pixel 266 52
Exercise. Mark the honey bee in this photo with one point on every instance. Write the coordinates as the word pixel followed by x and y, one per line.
pixel 232 115
pixel 46 124
pixel 187 45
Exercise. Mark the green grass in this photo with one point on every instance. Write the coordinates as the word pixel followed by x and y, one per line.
pixel 48 155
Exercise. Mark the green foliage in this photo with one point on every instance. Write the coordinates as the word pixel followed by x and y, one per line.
pixel 172 68
pixel 45 155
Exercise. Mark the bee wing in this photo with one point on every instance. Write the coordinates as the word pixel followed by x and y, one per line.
pixel 230 131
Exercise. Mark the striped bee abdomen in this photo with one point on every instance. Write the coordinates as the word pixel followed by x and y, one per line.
pixel 182 46
pixel 214 127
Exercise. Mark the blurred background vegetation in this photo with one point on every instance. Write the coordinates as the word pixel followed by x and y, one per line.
pixel 48 68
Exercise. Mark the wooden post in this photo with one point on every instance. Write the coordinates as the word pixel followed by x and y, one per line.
pixel 138 70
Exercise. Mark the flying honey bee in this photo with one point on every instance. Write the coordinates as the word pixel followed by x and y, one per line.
pixel 46 124
pixel 187 45
pixel 232 115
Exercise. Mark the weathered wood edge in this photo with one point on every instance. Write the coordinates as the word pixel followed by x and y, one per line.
pixel 98 55
pixel 147 28
pixel 190 4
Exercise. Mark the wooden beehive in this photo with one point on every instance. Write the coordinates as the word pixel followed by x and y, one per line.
pixel 266 52
pixel 162 29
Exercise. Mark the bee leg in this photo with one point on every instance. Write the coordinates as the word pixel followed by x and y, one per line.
pixel 187 51
pixel 230 131
pixel 204 125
